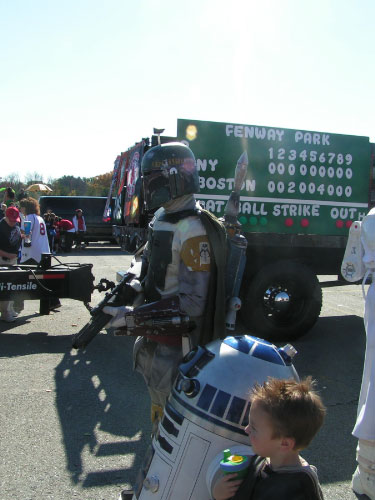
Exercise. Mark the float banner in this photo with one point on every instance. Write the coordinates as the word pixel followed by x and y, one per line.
pixel 133 185
pixel 120 165
pixel 297 181
pixel 107 209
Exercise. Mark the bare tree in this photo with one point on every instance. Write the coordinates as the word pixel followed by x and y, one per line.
pixel 33 178
pixel 12 180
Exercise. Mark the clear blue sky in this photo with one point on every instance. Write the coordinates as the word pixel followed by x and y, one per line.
pixel 83 80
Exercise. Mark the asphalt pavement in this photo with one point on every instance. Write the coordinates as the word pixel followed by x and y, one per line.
pixel 75 425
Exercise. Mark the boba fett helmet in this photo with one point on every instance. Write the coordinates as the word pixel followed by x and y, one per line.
pixel 168 171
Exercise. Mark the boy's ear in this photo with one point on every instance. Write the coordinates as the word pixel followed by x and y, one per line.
pixel 287 444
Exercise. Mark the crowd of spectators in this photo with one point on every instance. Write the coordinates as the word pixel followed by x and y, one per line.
pixel 63 234
pixel 49 233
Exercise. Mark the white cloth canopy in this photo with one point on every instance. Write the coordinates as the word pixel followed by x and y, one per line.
pixel 39 187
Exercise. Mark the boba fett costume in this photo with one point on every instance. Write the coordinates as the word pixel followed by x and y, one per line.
pixel 184 259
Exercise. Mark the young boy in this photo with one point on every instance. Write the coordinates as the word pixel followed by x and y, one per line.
pixel 284 417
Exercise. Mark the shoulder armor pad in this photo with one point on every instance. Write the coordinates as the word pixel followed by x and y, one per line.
pixel 196 253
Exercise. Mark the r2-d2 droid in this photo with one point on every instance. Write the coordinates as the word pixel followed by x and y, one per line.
pixel 206 413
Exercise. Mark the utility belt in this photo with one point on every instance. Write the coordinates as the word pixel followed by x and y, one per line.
pixel 173 341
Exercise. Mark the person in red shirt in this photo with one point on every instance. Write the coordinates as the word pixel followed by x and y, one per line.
pixel 80 229
pixel 67 231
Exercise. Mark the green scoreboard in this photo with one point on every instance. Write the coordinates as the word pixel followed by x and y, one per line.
pixel 297 181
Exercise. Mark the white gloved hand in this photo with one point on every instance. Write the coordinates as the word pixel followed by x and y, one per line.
pixel 136 285
pixel 118 314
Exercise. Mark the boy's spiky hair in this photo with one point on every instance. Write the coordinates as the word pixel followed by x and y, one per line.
pixel 294 407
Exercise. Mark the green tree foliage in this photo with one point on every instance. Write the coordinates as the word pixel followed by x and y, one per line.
pixel 68 185
pixel 13 181
pixel 99 185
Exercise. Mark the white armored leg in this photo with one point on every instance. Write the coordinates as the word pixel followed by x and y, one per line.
pixel 363 481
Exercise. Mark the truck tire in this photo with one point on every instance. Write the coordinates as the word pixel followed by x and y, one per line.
pixel 134 243
pixel 127 242
pixel 90 330
pixel 283 301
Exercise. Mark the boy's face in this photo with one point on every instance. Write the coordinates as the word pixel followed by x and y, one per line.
pixel 260 432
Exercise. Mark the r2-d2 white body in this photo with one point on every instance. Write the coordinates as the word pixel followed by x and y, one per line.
pixel 206 413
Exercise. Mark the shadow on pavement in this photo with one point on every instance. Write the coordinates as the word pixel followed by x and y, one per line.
pixel 94 249
pixel 101 417
pixel 98 413
pixel 15 344
pixel 21 320
pixel 92 397
pixel 333 354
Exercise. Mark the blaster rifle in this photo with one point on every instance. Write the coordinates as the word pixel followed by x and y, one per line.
pixel 119 295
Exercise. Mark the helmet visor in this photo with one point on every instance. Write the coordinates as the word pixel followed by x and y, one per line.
pixel 156 188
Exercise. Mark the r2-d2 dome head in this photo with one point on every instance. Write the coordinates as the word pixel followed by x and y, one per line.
pixel 169 171
pixel 214 381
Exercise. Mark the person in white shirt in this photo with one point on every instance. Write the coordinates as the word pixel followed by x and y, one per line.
pixel 39 238
pixel 31 253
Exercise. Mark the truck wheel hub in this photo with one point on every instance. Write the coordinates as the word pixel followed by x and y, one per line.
pixel 277 299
